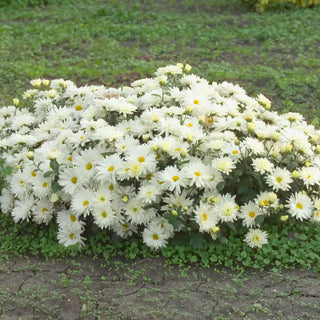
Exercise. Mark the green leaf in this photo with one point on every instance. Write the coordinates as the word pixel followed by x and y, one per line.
pixel 220 185
pixel 54 165
pixel 196 241
pixel 223 240
pixel 7 170
pixel 259 219
pixel 56 187
pixel 175 221
pixel 49 173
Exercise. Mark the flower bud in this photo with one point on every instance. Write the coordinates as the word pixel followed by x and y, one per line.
pixel 183 153
pixel 295 174
pixel 30 155
pixel 189 109
pixel 307 164
pixel 125 199
pixel 163 80
pixel 189 138
pixel 54 197
pixel 275 136
pixel 174 212
pixel 16 101
pixel 187 68
pixel 284 218
pixel 251 127
pixel 272 197
pixel 215 229
pixel 45 82
pixel 317 149
pixel 180 65
pixel 185 209
pixel 52 94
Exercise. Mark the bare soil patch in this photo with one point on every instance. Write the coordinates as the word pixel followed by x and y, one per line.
pixel 33 288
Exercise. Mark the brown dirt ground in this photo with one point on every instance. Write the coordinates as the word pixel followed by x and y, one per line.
pixel 33 288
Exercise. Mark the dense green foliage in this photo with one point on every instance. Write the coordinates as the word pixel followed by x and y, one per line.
pixel 115 42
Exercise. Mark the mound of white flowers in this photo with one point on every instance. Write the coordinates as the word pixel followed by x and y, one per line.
pixel 168 154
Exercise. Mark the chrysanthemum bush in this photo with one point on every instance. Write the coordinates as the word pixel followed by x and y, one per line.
pixel 169 154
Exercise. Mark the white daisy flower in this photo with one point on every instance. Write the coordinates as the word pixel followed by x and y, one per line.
pixel 86 161
pixel 104 217
pixel 42 212
pixel 20 184
pixel 177 199
pixel 279 179
pixel 300 206
pixel 41 186
pixel 227 209
pixel 310 175
pixel 262 165
pixel 6 200
pixel 206 217
pixel 107 168
pixel 256 238
pixel 148 193
pixel 67 217
pixel 22 209
pixel 172 178
pixel 199 174
pixel 224 164
pixel 154 237
pixel 249 212
pixel 69 235
pixel 71 179
pixel 82 202
pixel 124 229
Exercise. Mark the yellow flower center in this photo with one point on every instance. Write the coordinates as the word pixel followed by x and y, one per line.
pixel 44 210
pixel 103 214
pixel 141 159
pixel 175 178
pixel 235 151
pixel 89 166
pixel 111 168
pixel 78 108
pixel 198 174
pixel 111 187
pixel 252 214
pixel 204 217
pixel 309 176
pixel 279 179
pixel 299 206
pixel 21 183
pixel 177 149
pixel 44 184
pixel 149 176
pixel 70 158
pixel 34 174
pixel 190 124
pixel 155 237
pixel 196 101
pixel 73 218
pixel 256 238
pixel 128 128
pixel 102 199
pixel 71 236
pixel 265 202
pixel 74 180
pixel 85 203
pixel 317 214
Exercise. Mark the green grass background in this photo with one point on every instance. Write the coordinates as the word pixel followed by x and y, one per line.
pixel 115 42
